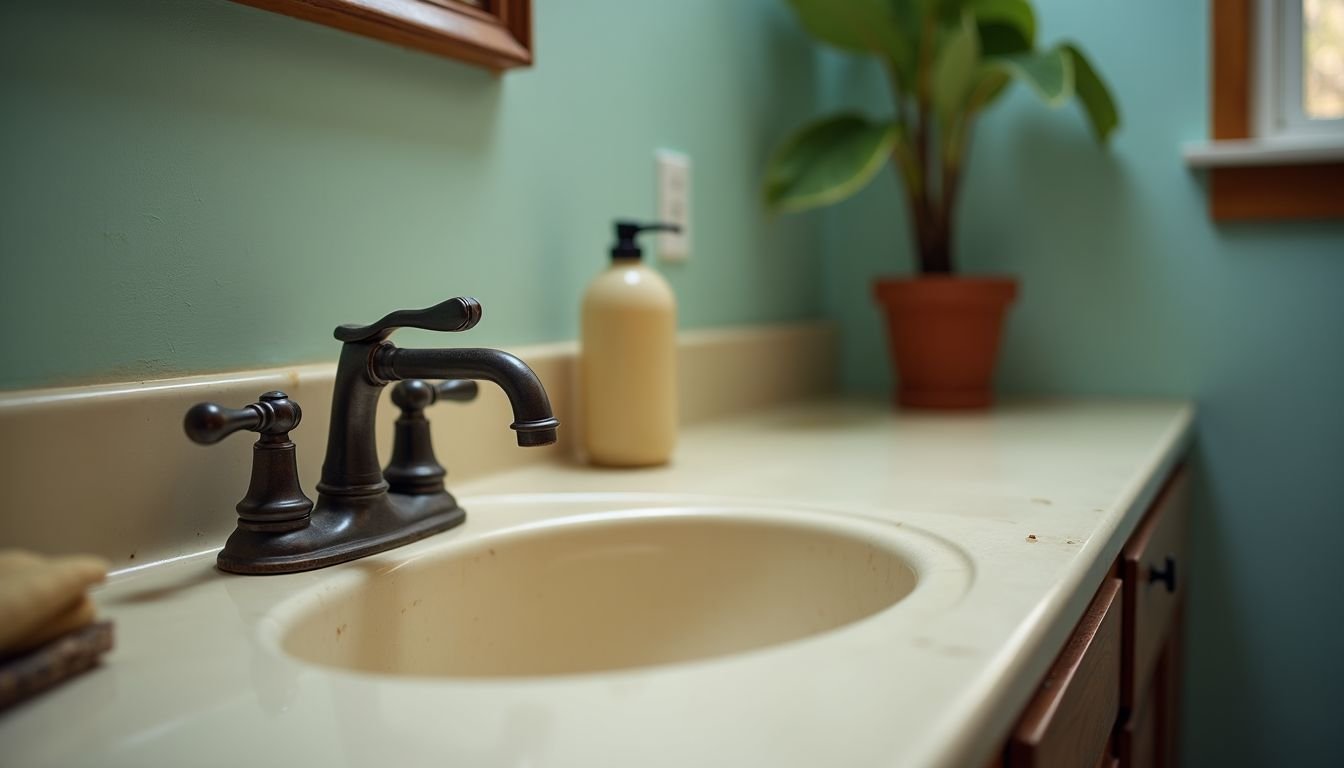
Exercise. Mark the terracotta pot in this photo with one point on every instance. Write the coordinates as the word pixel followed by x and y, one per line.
pixel 944 337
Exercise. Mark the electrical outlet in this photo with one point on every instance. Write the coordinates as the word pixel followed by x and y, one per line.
pixel 674 203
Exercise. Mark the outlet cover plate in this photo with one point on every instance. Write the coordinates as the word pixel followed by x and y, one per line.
pixel 674 203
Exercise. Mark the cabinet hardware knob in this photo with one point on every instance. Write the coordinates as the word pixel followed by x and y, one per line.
pixel 1165 574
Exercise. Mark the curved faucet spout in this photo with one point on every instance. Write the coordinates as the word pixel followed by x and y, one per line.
pixel 532 417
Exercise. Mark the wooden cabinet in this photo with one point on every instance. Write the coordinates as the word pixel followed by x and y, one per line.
pixel 1069 722
pixel 1112 697
pixel 1155 568
pixel 1147 735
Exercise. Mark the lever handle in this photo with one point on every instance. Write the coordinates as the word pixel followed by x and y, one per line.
pixel 414 470
pixel 273 414
pixel 457 314
pixel 274 503
pixel 417 394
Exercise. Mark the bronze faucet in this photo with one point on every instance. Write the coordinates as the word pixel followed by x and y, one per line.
pixel 279 530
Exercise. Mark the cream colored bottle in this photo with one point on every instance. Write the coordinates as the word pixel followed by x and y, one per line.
pixel 628 360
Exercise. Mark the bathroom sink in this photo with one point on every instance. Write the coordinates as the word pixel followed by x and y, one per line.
pixel 578 584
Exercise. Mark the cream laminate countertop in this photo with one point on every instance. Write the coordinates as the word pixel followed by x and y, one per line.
pixel 193 680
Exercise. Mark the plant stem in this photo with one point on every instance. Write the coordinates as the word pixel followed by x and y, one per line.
pixel 953 162
pixel 911 169
pixel 951 183
pixel 922 215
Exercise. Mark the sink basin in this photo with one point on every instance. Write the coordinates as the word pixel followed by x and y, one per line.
pixel 590 585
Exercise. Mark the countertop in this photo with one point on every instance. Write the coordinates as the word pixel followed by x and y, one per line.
pixel 1038 497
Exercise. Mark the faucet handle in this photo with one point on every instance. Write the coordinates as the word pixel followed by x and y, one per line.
pixel 274 502
pixel 414 395
pixel 414 470
pixel 457 314
pixel 274 414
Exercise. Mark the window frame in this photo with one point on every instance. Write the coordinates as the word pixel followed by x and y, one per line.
pixel 1265 191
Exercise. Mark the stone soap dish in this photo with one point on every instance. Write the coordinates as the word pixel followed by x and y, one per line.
pixel 28 674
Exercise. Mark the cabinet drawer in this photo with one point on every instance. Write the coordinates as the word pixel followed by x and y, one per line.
pixel 1155 566
pixel 1069 722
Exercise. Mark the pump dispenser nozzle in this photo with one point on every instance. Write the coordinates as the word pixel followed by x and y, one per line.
pixel 626 246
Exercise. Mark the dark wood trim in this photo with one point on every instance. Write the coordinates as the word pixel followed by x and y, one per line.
pixel 1277 192
pixel 498 39
pixel 1231 25
pixel 1313 191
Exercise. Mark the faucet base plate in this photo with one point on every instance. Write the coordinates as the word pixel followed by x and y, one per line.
pixel 347 528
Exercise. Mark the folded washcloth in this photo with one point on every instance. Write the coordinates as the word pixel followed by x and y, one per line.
pixel 44 597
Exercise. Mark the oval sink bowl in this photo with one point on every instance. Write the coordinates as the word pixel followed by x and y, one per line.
pixel 578 591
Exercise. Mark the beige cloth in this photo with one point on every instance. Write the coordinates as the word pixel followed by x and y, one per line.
pixel 44 597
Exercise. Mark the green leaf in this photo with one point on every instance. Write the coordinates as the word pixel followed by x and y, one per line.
pixel 887 28
pixel 860 26
pixel 954 70
pixel 990 81
pixel 1006 26
pixel 828 161
pixel 947 12
pixel 1049 73
pixel 1093 94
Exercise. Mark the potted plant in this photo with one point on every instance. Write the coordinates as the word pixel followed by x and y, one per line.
pixel 946 60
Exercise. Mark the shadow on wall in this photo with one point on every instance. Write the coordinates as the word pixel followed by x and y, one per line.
pixel 1220 668
pixel 274 64
pixel 1045 203
pixel 781 81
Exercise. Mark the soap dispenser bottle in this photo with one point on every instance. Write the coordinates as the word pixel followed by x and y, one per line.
pixel 628 360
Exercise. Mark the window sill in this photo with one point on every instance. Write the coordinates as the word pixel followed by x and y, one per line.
pixel 1233 153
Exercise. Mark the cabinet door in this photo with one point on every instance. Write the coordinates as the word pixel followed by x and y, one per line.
pixel 1068 724
pixel 1148 738
pixel 1138 736
pixel 1172 670
pixel 1154 567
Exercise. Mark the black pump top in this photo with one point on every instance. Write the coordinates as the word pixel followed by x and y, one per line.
pixel 626 246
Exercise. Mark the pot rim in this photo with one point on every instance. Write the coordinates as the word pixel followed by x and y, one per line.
pixel 941 289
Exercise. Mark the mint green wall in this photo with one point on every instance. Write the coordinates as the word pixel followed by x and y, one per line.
pixel 197 185
pixel 1129 289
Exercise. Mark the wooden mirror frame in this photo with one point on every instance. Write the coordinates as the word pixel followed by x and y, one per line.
pixel 496 35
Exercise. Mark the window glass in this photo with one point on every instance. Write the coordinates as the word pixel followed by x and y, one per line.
pixel 1323 59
